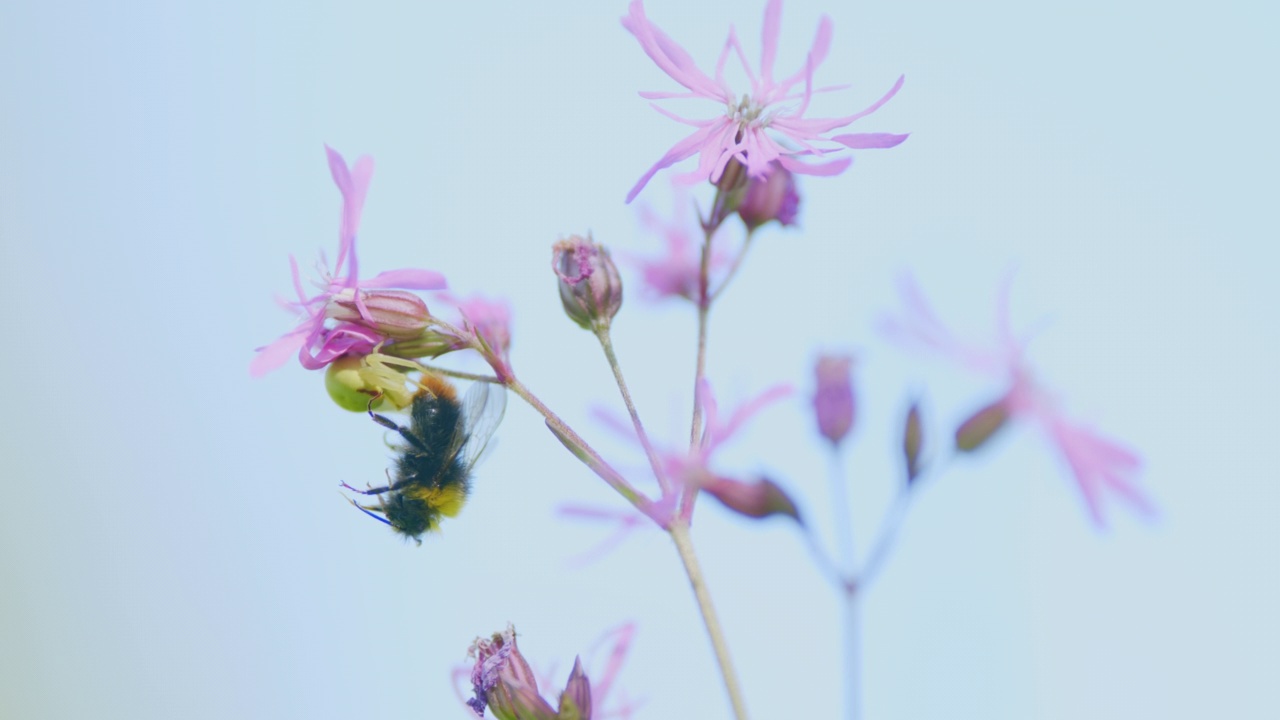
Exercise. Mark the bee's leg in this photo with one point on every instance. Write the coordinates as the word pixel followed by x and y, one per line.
pixel 368 512
pixel 372 490
pixel 390 424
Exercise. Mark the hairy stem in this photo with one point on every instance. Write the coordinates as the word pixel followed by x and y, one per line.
pixel 737 263
pixel 606 342
pixel 582 450
pixel 474 377
pixel 680 534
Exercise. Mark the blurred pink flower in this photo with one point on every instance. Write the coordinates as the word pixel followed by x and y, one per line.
pixel 675 273
pixel 342 297
pixel 686 470
pixel 740 132
pixel 1099 465
pixel 488 320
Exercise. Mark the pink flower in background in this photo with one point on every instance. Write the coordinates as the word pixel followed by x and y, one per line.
pixel 1101 466
pixel 686 470
pixel 772 105
pixel 366 312
pixel 675 272
pixel 486 318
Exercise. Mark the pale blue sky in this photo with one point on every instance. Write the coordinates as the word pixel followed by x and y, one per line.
pixel 173 544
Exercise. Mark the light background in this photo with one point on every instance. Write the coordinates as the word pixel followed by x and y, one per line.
pixel 172 544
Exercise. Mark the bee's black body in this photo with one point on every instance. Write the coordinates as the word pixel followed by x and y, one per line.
pixel 433 472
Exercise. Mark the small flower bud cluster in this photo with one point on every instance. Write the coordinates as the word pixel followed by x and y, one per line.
pixel 503 682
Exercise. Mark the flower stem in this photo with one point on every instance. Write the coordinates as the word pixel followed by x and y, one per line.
pixel 848 558
pixel 606 342
pixel 704 308
pixel 679 530
pixel 700 370
pixel 582 450
pixel 474 377
pixel 884 541
pixel 737 263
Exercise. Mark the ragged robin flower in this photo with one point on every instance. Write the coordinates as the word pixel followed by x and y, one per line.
pixel 762 126
pixel 349 316
pixel 1101 466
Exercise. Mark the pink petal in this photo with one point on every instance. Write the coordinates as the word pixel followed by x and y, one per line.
pixel 667 54
pixel 744 413
pixel 817 55
pixel 869 141
pixel 603 682
pixel 682 150
pixel 825 169
pixel 769 42
pixel 277 353
pixel 814 128
pixel 407 279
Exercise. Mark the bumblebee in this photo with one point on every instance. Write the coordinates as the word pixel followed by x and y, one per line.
pixel 442 442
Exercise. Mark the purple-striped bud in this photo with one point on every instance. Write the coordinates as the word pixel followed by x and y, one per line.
pixel 575 701
pixel 772 197
pixel 396 314
pixel 590 286
pixel 833 403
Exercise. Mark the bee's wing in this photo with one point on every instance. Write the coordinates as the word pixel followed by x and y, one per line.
pixel 482 410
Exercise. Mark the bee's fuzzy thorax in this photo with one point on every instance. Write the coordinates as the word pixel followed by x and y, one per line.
pixel 438 386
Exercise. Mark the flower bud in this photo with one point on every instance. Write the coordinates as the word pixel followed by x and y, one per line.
pixel 575 701
pixel 760 499
pixel 396 314
pixel 503 681
pixel 833 403
pixel 590 287
pixel 912 442
pixel 981 426
pixel 772 197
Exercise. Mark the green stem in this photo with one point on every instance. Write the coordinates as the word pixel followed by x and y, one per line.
pixel 737 263
pixel 474 377
pixel 606 342
pixel 680 534
pixel 582 450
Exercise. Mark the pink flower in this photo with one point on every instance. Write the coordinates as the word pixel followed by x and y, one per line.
pixel 675 273
pixel 345 298
pixel 740 131
pixel 486 319
pixel 686 470
pixel 1100 466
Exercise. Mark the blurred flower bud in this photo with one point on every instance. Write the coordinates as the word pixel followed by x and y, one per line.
pixel 590 287
pixel 833 403
pixel 431 343
pixel 396 314
pixel 978 429
pixel 772 197
pixel 759 499
pixel 575 701
pixel 503 681
pixel 912 442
